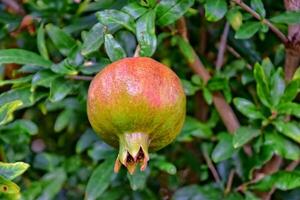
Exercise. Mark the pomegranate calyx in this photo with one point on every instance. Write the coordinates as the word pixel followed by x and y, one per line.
pixel 133 151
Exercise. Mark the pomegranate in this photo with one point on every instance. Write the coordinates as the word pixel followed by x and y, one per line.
pixel 136 105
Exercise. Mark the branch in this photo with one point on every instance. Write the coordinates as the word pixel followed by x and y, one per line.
pixel 222 47
pixel 229 181
pixel 292 57
pixel 137 51
pixel 79 77
pixel 212 168
pixel 275 30
pixel 227 115
pixel 14 6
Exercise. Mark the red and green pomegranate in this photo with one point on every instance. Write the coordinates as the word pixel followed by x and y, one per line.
pixel 136 105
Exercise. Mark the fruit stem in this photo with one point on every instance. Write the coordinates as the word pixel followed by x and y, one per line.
pixel 133 150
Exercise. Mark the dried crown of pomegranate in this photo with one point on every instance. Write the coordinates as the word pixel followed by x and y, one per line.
pixel 136 105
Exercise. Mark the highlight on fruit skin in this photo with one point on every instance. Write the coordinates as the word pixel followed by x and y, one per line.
pixel 136 105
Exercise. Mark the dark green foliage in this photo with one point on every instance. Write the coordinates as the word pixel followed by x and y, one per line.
pixel 43 123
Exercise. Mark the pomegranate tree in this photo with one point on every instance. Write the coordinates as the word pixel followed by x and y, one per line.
pixel 136 105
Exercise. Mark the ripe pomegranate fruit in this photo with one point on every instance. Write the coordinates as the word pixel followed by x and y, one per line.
pixel 136 105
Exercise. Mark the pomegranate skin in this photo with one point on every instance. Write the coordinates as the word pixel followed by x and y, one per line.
pixel 136 105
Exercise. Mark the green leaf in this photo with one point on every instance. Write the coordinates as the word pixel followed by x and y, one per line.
pixel 262 86
pixel 138 179
pixel 134 9
pixel 291 91
pixel 63 120
pixel 247 30
pixel 16 82
pixel 215 10
pixel 290 129
pixel 208 97
pixel 20 56
pixel 194 128
pixel 235 18
pixel 107 17
pixel 145 33
pixel 59 89
pixel 113 49
pixel 93 40
pixel 289 108
pixel 165 166
pixel 62 41
pixel 282 146
pixel 282 180
pixel 224 149
pixel 100 179
pixel 216 83
pixel 44 78
pixel 12 170
pixel 189 88
pixel 22 126
pixel 52 184
pixel 288 17
pixel 86 140
pixel 247 108
pixel 186 49
pixel 8 187
pixel 196 192
pixel 277 86
pixel 258 6
pixel 168 11
pixel 41 43
pixel 7 110
pixel 243 135
pixel 23 94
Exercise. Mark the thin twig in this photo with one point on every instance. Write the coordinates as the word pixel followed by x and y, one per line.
pixel 229 181
pixel 275 30
pixel 212 168
pixel 137 51
pixel 79 77
pixel 14 6
pixel 222 46
pixel 237 55
pixel 229 119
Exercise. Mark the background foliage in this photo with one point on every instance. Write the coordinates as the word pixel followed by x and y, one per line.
pixel 237 64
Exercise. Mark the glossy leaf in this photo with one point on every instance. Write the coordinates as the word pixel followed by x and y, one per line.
pixel 41 42
pixel 93 40
pixel 247 30
pixel 258 6
pixel 59 89
pixel 113 49
pixel 168 11
pixel 138 179
pixel 134 9
pixel 288 17
pixel 7 110
pixel 262 86
pixel 247 108
pixel 281 180
pixel 243 135
pixel 289 109
pixel 20 56
pixel 12 170
pixel 215 10
pixel 145 32
pixel 62 41
pixel 290 129
pixel 224 149
pixel 107 17
pixel 282 146
pixel 100 179
pixel 277 87
pixel 291 91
